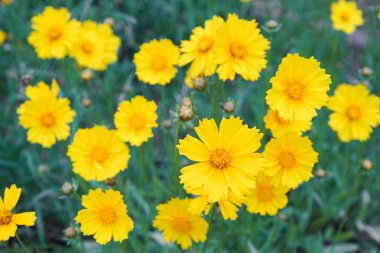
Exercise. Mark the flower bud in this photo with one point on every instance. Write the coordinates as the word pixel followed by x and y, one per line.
pixel 24 79
pixel 111 181
pixel 229 107
pixel 86 102
pixel 367 165
pixel 282 217
pixel 87 74
pixel 42 169
pixel 186 101
pixel 70 232
pixel 109 21
pixel 271 24
pixel 167 123
pixel 199 83
pixel 185 113
pixel 366 72
pixel 320 173
pixel 67 188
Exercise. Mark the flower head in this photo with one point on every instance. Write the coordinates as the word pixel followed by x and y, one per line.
pixel 346 16
pixel 280 126
pixel 3 37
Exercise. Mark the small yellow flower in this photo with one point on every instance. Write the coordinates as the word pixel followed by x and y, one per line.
pixel 3 37
pixel 6 2
pixel 178 224
pixel 97 153
pixel 346 16
pixel 105 216
pixel 9 220
pixel 280 126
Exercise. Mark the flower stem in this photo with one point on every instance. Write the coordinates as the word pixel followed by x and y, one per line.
pixel 176 161
pixel 213 211
pixel 142 165
pixel 24 248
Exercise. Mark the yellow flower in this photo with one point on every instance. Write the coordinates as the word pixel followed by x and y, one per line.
pixel 53 33
pixel 155 62
pixel 266 198
pixel 289 160
pixel 178 224
pixel 199 50
pixel 225 158
pixel 299 88
pixel 6 2
pixel 135 119
pixel 105 216
pixel 240 49
pixel 9 220
pixel 346 16
pixel 46 116
pixel 97 153
pixel 280 126
pixel 355 112
pixel 3 37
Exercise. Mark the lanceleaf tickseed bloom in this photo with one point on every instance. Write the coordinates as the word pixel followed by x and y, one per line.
pixel 346 16
pixel 135 119
pixel 240 49
pixel 46 116
pixel 178 224
pixel 98 154
pixel 53 33
pixel 9 220
pixel 280 126
pixel 156 60
pixel 105 216
pixel 289 160
pixel 355 112
pixel 3 36
pixel 225 158
pixel 299 88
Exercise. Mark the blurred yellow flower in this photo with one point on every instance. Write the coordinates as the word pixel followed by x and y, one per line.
pixel 225 158
pixel 299 88
pixel 98 154
pixel 355 112
pixel 240 49
pixel 135 119
pixel 246 1
pixel 9 220
pixel 346 16
pixel 3 37
pixel 199 50
pixel 105 216
pixel 280 126
pixel 53 33
pixel 6 2
pixel 155 62
pixel 289 160
pixel 46 116
pixel 178 224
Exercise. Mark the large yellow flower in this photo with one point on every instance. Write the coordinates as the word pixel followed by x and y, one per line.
pixel 240 49
pixel 9 220
pixel 178 224
pixel 225 158
pixel 135 119
pixel 199 50
pixel 46 116
pixel 105 216
pixel 3 37
pixel 355 112
pixel 289 160
pixel 299 88
pixel 280 126
pixel 156 60
pixel 97 153
pixel 346 16
pixel 53 33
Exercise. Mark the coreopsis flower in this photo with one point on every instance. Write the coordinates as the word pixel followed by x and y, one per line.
pixel 355 112
pixel 178 224
pixel 289 160
pixel 199 50
pixel 97 153
pixel 105 216
pixel 240 49
pixel 266 198
pixel 299 88
pixel 10 220
pixel 53 33
pixel 44 115
pixel 346 16
pixel 6 2
pixel 135 119
pixel 280 126
pixel 225 158
pixel 155 62
pixel 3 37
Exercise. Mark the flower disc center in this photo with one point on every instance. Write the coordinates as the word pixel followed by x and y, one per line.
pixel 5 217
pixel 205 44
pixel 238 50
pixel 181 224
pixel 220 158
pixel 87 47
pixel 287 160
pixel 99 154
pixel 107 215
pixel 137 123
pixel 264 193
pixel 295 90
pixel 54 33
pixel 159 63
pixel 47 120
pixel 353 112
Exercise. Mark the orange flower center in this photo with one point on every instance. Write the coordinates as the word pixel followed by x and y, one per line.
pixel 287 160
pixel 182 224
pixel 205 44
pixel 295 90
pixel 5 217
pixel 159 63
pixel 99 154
pixel 264 192
pixel 54 33
pixel 107 215
pixel 137 123
pixel 87 47
pixel 47 120
pixel 353 112
pixel 220 158
pixel 238 50
pixel 344 16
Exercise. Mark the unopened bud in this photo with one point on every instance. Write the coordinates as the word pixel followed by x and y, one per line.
pixel 86 102
pixel 109 21
pixel 320 173
pixel 67 188
pixel 186 113
pixel 42 169
pixel 111 181
pixel 229 107
pixel 87 74
pixel 24 79
pixel 282 217
pixel 271 24
pixel 70 232
pixel 167 123
pixel 366 72
pixel 367 165
pixel 186 101
pixel 199 83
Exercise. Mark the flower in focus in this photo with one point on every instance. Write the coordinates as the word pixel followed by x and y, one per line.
pixel 9 220
pixel 53 33
pixel 3 37
pixel 299 88
pixel 178 224
pixel 280 126
pixel 346 16
pixel 289 160
pixel 135 119
pixel 105 216
pixel 46 116
pixel 155 62
pixel 240 49
pixel 355 112
pixel 98 154
pixel 225 158
pixel 266 198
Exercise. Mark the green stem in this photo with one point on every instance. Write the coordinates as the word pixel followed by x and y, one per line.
pixel 24 248
pixel 142 165
pixel 176 160
pixel 213 211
